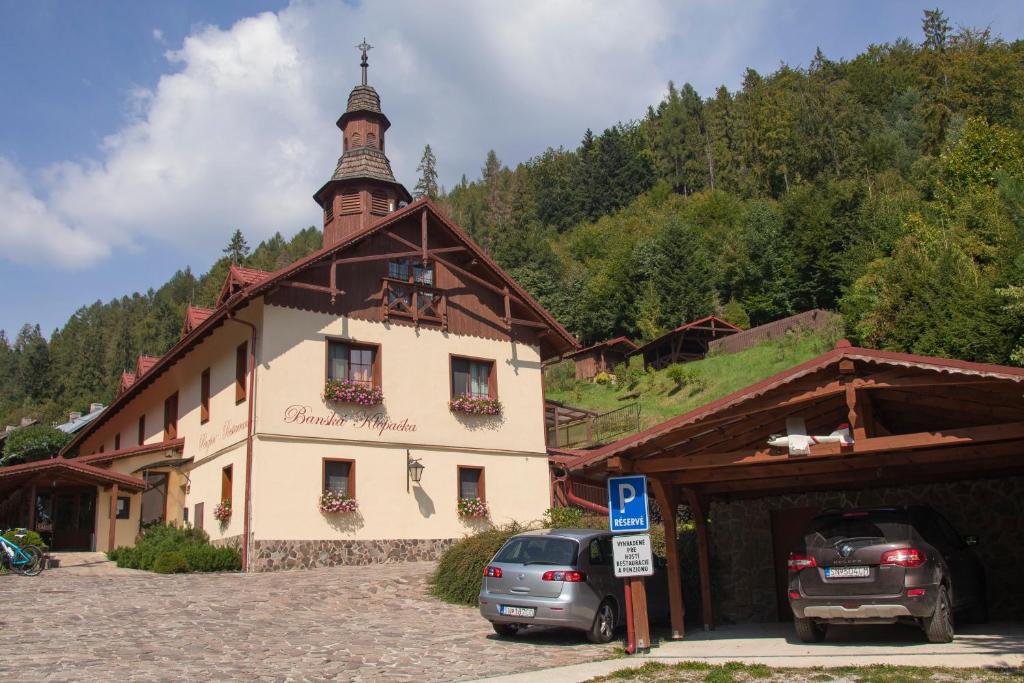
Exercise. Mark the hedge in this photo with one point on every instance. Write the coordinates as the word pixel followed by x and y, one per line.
pixel 193 545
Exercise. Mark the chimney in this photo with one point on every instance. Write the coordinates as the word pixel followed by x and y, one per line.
pixel 72 416
pixel 95 408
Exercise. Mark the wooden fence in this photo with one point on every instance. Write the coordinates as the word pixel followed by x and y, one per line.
pixel 815 319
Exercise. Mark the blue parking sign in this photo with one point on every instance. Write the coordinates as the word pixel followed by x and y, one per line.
pixel 627 503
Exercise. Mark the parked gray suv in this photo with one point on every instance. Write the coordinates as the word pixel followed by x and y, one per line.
pixel 558 577
pixel 883 565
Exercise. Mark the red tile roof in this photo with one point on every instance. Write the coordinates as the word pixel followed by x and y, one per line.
pixel 249 276
pixel 127 380
pixel 74 466
pixel 144 364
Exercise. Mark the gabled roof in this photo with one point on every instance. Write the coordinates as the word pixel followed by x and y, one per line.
pixel 143 365
pixel 710 323
pixel 13 475
pixel 193 316
pixel 239 278
pixel 626 344
pixel 107 456
pixel 843 351
pixel 253 283
pixel 127 380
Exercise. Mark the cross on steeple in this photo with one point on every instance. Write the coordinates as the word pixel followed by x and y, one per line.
pixel 365 47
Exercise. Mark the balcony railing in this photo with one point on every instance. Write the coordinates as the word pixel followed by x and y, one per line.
pixel 413 301
pixel 595 430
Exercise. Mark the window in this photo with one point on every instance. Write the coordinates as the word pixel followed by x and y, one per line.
pixel 142 429
pixel 225 484
pixel 171 417
pixel 600 551
pixel 371 140
pixel 353 362
pixel 124 507
pixel 340 476
pixel 408 271
pixel 473 377
pixel 117 441
pixel 204 397
pixel 199 515
pixel 356 140
pixel 241 366
pixel 471 483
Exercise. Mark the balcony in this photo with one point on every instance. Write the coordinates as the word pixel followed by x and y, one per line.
pixel 413 301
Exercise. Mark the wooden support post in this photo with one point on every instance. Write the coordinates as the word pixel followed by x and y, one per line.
pixel 113 518
pixel 641 622
pixel 423 230
pixel 698 505
pixel 668 501
pixel 508 311
pixel 32 508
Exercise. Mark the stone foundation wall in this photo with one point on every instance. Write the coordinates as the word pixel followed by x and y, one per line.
pixel 268 556
pixel 740 535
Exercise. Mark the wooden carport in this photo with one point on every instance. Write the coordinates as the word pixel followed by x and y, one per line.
pixel 913 419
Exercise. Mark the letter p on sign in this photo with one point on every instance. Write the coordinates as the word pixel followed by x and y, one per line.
pixel 627 503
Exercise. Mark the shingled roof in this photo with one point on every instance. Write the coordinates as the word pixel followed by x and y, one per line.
pixel 364 162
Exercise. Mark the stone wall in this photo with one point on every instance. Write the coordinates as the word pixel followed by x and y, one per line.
pixel 270 556
pixel 742 553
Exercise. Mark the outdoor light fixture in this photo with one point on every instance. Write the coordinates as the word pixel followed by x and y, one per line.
pixel 413 470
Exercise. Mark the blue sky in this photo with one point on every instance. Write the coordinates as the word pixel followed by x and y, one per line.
pixel 135 137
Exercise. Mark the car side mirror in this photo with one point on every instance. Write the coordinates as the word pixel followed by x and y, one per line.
pixel 971 540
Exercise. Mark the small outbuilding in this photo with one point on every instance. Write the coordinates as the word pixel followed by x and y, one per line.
pixel 685 343
pixel 935 431
pixel 601 357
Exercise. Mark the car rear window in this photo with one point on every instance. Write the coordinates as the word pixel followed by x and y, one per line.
pixel 882 525
pixel 539 550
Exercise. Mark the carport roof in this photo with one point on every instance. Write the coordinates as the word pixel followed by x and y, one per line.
pixel 65 471
pixel 905 411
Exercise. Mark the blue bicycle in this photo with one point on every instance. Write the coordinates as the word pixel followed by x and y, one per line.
pixel 26 560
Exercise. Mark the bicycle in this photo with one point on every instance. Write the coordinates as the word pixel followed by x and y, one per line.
pixel 25 560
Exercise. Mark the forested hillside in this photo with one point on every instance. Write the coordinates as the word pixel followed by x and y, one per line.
pixel 889 187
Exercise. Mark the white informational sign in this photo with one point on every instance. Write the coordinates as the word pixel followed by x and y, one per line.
pixel 632 555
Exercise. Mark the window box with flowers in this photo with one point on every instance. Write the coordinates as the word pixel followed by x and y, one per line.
pixel 475 405
pixel 474 389
pixel 347 391
pixel 222 513
pixel 473 508
pixel 336 502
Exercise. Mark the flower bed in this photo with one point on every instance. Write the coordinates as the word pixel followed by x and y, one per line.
pixel 335 502
pixel 473 508
pixel 222 513
pixel 347 391
pixel 475 405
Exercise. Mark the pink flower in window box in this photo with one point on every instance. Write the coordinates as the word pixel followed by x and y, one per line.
pixel 475 405
pixel 347 391
pixel 222 513
pixel 332 502
pixel 475 508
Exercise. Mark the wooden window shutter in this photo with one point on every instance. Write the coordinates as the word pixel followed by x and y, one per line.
pixel 142 429
pixel 226 477
pixel 171 417
pixel 357 141
pixel 204 397
pixel 241 367
pixel 378 203
pixel 371 140
pixel 350 203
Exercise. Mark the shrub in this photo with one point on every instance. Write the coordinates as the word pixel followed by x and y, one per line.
pixel 31 538
pixel 560 376
pixel 603 378
pixel 461 568
pixel 189 541
pixel 563 518
pixel 171 562
pixel 683 376
pixel 37 442
pixel 208 558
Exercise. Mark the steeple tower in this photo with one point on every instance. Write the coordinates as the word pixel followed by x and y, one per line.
pixel 362 189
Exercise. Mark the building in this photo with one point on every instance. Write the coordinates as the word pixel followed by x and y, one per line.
pixel 813 320
pixel 601 357
pixel 685 343
pixel 398 366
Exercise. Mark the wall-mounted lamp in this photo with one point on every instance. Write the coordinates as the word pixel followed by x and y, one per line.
pixel 413 470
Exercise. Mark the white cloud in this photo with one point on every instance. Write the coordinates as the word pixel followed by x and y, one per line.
pixel 240 133
pixel 158 35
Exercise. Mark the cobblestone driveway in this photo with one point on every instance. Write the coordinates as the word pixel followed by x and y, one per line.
pixel 346 623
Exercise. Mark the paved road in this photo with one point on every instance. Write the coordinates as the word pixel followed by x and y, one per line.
pixel 345 623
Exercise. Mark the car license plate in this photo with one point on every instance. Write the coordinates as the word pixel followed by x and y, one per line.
pixel 510 611
pixel 847 572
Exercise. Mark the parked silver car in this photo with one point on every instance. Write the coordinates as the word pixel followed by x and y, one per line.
pixel 558 577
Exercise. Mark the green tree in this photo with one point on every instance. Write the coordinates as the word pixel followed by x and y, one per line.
pixel 237 249
pixel 36 442
pixel 427 170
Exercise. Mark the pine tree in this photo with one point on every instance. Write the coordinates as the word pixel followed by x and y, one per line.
pixel 427 183
pixel 237 249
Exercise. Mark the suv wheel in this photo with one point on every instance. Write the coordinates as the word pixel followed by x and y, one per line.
pixel 505 630
pixel 603 629
pixel 808 631
pixel 938 628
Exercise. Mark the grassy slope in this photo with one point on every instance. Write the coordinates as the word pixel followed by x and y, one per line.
pixel 719 376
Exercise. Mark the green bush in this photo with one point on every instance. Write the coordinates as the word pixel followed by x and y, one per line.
pixel 684 376
pixel 207 558
pixel 193 545
pixel 560 376
pixel 460 570
pixel 602 378
pixel 170 562
pixel 31 538
pixel 563 518
pixel 29 444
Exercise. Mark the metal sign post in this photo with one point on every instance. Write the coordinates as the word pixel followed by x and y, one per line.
pixel 628 512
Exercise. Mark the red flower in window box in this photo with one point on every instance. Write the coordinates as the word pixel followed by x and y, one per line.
pixel 222 513
pixel 347 391
pixel 336 502
pixel 473 508
pixel 475 405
